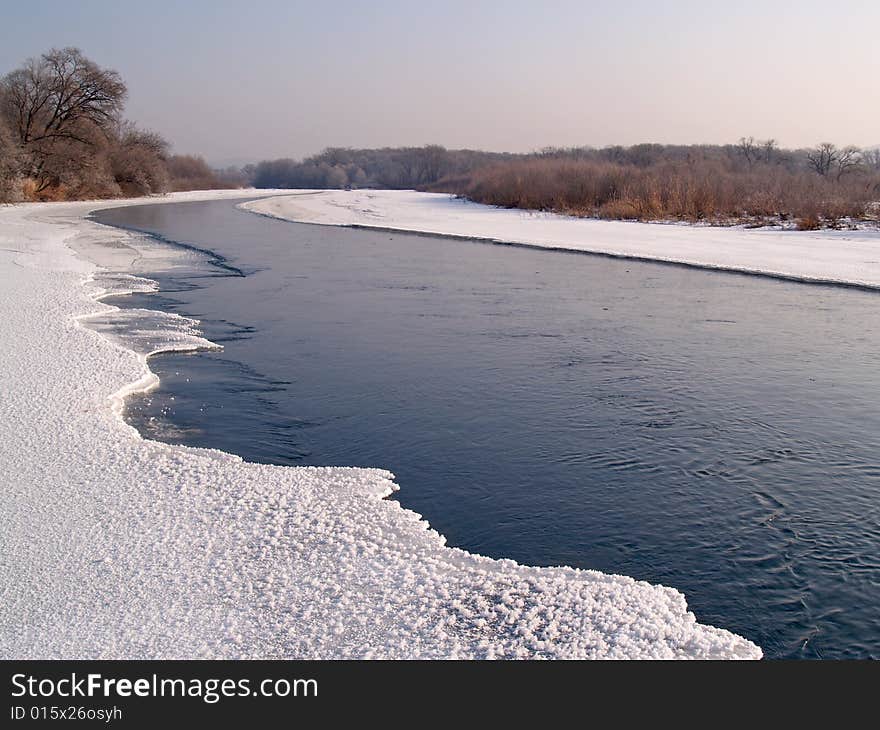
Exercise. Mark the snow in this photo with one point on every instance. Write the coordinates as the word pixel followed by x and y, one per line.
pixel 112 546
pixel 840 257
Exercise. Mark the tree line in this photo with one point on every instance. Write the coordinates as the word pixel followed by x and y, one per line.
pixel 390 167
pixel 751 181
pixel 63 136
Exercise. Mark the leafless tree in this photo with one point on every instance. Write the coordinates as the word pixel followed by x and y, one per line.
pixel 52 96
pixel 823 158
pixel 58 102
pixel 432 159
pixel 191 172
pixel 138 161
pixel 849 159
pixel 749 148
pixel 651 181
pixel 62 136
pixel 769 148
pixel 10 163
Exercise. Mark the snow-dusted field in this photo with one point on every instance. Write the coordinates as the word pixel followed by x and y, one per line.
pixel 849 257
pixel 116 547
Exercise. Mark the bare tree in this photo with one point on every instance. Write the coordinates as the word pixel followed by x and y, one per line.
pixel 62 136
pixel 138 161
pixel 849 159
pixel 749 148
pixel 52 95
pixel 769 148
pixel 57 102
pixel 10 162
pixel 823 158
pixel 431 164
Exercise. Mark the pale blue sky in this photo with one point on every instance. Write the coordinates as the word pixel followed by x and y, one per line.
pixel 240 81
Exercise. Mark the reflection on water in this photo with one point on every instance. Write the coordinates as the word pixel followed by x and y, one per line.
pixel 713 432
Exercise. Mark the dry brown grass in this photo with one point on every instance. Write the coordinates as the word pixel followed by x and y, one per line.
pixel 31 191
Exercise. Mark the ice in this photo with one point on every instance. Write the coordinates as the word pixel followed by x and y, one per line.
pixel 112 546
pixel 148 332
pixel 843 257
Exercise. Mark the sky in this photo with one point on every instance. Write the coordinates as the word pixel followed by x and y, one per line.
pixel 242 81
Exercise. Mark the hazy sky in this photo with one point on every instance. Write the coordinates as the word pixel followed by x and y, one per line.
pixel 241 81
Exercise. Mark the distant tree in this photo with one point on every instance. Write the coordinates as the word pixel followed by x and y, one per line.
pixel 749 148
pixel 644 155
pixel 357 178
pixel 332 176
pixel 188 166
pixel 433 159
pixel 753 150
pixel 191 172
pixel 871 158
pixel 138 161
pixel 848 159
pixel 249 171
pixel 232 177
pixel 614 153
pixel 769 150
pixel 823 158
pixel 336 156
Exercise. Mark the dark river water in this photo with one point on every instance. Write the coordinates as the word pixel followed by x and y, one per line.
pixel 717 433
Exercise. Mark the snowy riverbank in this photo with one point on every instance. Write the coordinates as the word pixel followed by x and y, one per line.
pixel 847 257
pixel 117 547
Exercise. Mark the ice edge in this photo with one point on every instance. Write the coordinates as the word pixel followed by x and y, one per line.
pixel 708 642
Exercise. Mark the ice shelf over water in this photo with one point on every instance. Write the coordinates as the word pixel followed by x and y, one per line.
pixel 843 257
pixel 112 546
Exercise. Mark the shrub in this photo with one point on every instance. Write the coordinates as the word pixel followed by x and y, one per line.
pixel 809 221
pixel 10 164
pixel 700 183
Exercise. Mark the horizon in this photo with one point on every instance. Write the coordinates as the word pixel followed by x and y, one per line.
pixel 393 75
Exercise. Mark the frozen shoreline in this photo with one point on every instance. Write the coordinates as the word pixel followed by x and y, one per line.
pixel 849 258
pixel 118 547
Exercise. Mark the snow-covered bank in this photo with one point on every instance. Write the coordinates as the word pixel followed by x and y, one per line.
pixel 845 257
pixel 113 546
